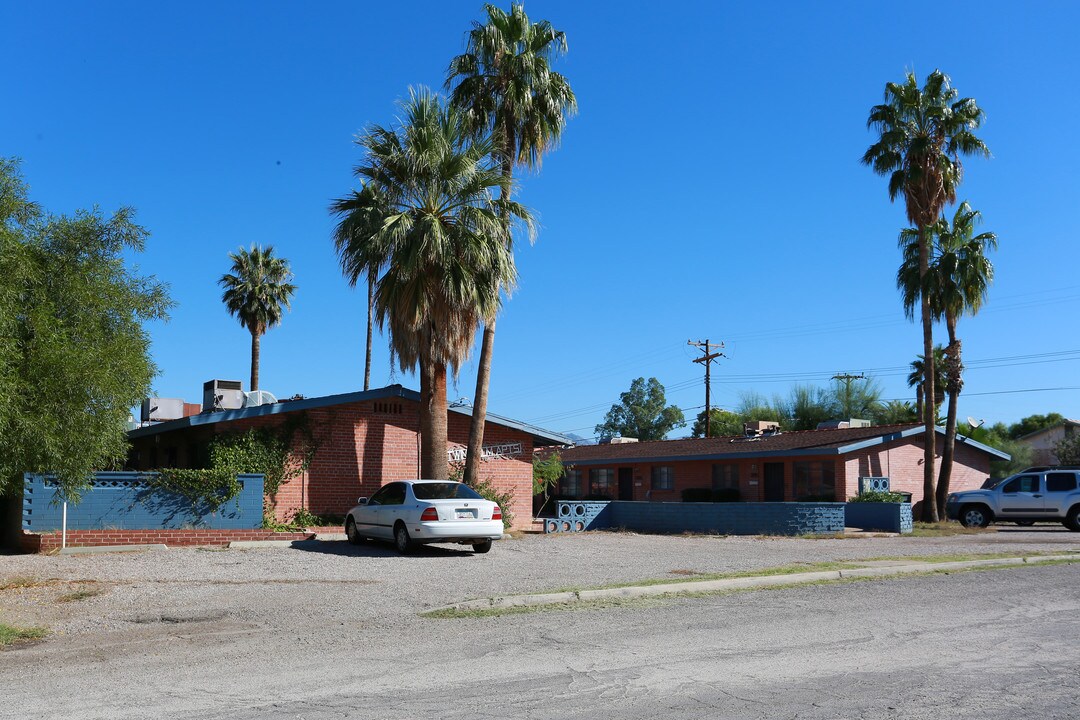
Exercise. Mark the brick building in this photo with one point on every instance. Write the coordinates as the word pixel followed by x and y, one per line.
pixel 363 439
pixel 785 466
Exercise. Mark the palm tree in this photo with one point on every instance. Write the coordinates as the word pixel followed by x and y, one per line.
pixel 957 282
pixel 505 87
pixel 918 375
pixel 442 245
pixel 257 292
pixel 361 214
pixel 922 134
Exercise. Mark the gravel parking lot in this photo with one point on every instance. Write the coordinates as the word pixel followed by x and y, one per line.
pixel 321 582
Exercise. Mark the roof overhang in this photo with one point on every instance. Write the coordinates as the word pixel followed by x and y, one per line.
pixel 540 436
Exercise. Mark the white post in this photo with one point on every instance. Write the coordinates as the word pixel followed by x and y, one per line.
pixel 63 537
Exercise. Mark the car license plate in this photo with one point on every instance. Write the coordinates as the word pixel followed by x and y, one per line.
pixel 466 514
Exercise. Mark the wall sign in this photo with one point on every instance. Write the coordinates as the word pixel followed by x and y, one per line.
pixel 489 452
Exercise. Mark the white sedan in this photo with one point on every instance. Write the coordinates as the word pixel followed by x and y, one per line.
pixel 415 512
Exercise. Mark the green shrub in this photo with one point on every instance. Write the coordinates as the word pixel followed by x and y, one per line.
pixel 697 495
pixel 878 496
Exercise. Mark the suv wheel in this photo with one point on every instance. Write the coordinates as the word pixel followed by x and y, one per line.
pixel 975 516
pixel 1073 520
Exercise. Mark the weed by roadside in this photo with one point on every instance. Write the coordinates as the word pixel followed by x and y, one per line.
pixel 10 635
pixel 945 529
pixel 79 595
pixel 20 582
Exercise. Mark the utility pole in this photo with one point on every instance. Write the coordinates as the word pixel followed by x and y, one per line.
pixel 706 359
pixel 846 378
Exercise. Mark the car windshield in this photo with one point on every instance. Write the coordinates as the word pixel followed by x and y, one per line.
pixel 445 491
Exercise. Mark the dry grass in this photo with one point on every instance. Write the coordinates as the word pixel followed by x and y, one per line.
pixel 945 529
pixel 79 595
pixel 25 581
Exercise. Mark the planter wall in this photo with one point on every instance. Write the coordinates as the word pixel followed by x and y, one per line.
pixel 886 517
pixel 737 518
pixel 124 501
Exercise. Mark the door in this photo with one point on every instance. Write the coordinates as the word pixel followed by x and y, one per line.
pixel 626 483
pixel 774 482
pixel 1022 496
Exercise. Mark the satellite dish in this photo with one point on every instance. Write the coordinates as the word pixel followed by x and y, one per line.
pixel 974 423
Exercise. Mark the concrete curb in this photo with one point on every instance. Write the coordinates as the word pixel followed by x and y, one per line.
pixel 727 584
pixel 95 549
pixel 253 544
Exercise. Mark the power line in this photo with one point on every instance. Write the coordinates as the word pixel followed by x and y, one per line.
pixel 706 359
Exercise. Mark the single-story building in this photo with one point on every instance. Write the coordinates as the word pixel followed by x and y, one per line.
pixel 1043 443
pixel 363 440
pixel 770 466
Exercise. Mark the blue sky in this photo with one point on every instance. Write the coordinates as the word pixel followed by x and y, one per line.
pixel 710 186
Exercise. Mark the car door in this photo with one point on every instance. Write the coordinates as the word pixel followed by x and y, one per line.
pixel 392 508
pixel 1022 497
pixel 367 516
pixel 1059 485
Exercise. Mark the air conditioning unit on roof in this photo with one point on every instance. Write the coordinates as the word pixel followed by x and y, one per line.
pixel 255 398
pixel 222 395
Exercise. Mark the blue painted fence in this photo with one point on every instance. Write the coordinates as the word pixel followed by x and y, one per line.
pixel 887 517
pixel 739 518
pixel 125 501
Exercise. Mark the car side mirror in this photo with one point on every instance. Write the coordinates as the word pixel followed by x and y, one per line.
pixel 361 501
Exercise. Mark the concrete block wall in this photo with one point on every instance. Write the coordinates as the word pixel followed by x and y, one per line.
pixel 886 517
pixel 124 501
pixel 740 518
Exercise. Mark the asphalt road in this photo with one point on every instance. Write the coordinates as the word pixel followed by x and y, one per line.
pixel 993 644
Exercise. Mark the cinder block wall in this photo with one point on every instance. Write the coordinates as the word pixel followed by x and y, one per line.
pixel 749 518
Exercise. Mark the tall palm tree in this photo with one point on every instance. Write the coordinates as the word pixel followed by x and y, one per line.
pixel 257 292
pixel 361 214
pixel 918 375
pixel 922 134
pixel 504 84
pixel 442 245
pixel 959 276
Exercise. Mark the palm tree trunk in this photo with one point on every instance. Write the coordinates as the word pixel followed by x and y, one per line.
pixel 483 371
pixel 952 386
pixel 426 376
pixel 255 335
pixel 367 354
pixel 918 400
pixel 929 510
pixel 434 461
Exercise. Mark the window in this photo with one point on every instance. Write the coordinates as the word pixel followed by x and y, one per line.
pixel 814 481
pixel 601 482
pixel 445 491
pixel 392 494
pixel 1060 482
pixel 725 477
pixel 570 484
pixel 1024 483
pixel 663 478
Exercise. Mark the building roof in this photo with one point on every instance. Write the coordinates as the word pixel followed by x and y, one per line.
pixel 1067 423
pixel 784 444
pixel 541 437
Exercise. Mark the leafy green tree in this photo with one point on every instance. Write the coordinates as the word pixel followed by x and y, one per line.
pixel 755 406
pixel 443 245
pixel 257 292
pixel 722 423
pixel 922 132
pixel 74 355
pixel 1032 423
pixel 854 398
pixel 642 413
pixel 957 281
pixel 1068 449
pixel 360 214
pixel 504 85
pixel 548 469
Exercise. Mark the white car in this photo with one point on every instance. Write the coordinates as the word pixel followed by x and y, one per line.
pixel 416 512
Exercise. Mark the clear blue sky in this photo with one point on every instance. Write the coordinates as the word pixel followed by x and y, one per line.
pixel 709 187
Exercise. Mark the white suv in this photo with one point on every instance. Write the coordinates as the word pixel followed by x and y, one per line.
pixel 1044 493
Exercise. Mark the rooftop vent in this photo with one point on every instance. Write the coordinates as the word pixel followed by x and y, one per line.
pixel 162 409
pixel 222 395
pixel 617 440
pixel 761 428
pixel 255 398
pixel 843 424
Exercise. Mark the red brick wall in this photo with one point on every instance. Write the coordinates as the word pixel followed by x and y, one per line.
pixel 47 542
pixel 362 446
pixel 902 462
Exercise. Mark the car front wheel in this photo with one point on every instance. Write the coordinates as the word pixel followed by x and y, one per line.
pixel 1073 520
pixel 975 516
pixel 351 532
pixel 402 541
pixel 481 547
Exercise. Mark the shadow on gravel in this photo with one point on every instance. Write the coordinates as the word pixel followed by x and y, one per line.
pixel 343 548
pixel 1056 529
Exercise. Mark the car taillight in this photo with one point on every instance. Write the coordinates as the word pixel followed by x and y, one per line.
pixel 496 514
pixel 429 515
